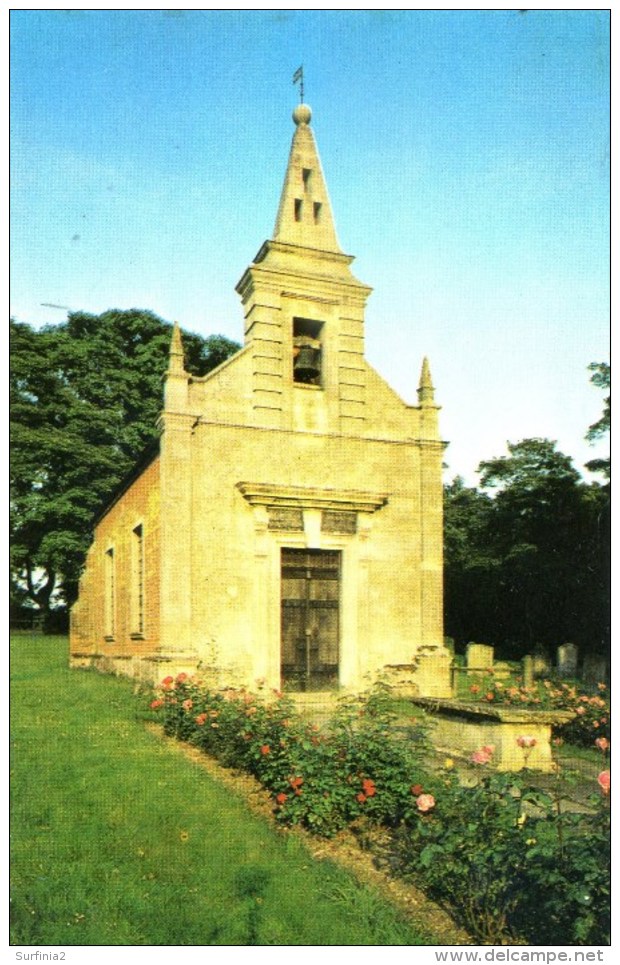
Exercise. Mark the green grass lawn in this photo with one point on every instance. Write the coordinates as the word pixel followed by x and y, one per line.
pixel 119 839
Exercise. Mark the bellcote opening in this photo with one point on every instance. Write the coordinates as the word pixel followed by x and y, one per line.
pixel 307 351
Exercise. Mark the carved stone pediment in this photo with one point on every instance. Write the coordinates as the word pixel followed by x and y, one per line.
pixel 307 497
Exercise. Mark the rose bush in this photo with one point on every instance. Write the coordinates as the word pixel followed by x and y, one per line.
pixel 509 861
pixel 321 780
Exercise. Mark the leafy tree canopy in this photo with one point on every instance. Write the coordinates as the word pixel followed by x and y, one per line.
pixel 601 378
pixel 528 568
pixel 84 400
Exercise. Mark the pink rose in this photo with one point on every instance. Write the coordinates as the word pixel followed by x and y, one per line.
pixel 483 756
pixel 425 803
pixel 601 742
pixel 526 741
pixel 604 780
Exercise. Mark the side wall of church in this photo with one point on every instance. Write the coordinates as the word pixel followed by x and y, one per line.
pixel 116 620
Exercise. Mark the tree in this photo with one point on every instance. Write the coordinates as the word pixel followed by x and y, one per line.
pixel 544 532
pixel 601 378
pixel 84 400
pixel 527 558
pixel 471 570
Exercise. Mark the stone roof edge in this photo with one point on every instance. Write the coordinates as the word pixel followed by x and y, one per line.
pixel 147 456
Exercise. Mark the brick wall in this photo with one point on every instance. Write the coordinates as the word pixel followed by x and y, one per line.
pixel 115 616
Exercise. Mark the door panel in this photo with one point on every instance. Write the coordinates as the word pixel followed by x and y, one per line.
pixel 310 618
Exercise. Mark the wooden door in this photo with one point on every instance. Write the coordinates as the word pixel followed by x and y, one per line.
pixel 310 618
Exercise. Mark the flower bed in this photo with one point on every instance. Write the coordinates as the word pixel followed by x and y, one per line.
pixel 504 855
pixel 320 779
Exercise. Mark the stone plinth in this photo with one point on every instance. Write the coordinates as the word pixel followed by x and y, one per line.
pixel 434 672
pixel 429 676
pixel 459 729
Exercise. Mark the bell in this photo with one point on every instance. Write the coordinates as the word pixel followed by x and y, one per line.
pixel 306 366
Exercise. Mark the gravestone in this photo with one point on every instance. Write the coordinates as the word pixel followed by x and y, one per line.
pixel 595 669
pixel 479 657
pixel 540 665
pixel 568 655
pixel 501 670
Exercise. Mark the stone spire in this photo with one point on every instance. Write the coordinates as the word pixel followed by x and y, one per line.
pixel 176 360
pixel 305 215
pixel 426 391
pixel 176 379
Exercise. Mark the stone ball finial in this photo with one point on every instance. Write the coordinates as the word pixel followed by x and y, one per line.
pixel 302 114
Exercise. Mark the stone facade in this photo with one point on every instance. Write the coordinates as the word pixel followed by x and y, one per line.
pixel 290 529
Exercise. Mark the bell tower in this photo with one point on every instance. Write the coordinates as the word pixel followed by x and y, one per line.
pixel 304 308
pixel 305 216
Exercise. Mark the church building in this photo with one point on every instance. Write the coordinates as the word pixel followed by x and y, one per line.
pixel 289 527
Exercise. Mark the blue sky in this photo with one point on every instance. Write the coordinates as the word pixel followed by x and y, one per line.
pixel 466 154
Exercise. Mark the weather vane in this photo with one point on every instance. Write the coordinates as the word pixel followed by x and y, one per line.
pixel 299 76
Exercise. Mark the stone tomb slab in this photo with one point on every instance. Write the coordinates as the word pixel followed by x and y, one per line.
pixel 459 729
